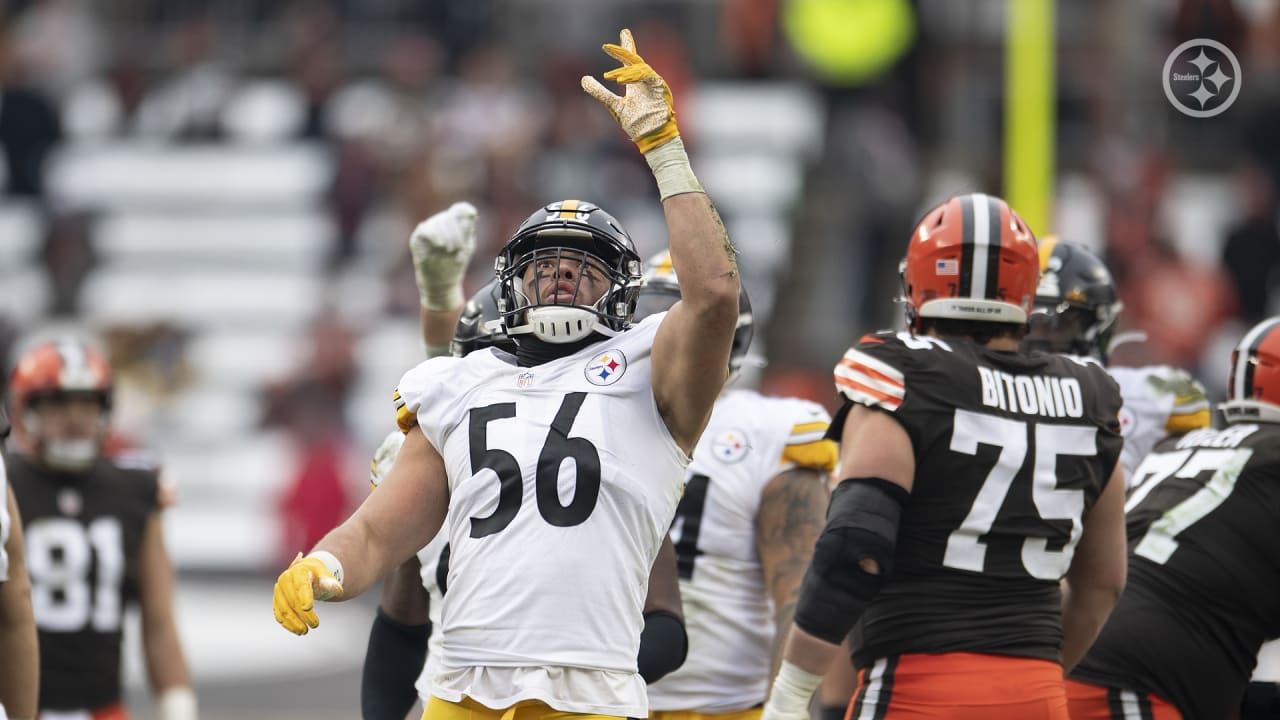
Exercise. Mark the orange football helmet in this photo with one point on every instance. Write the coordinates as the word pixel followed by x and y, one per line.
pixel 971 258
pixel 54 370
pixel 1253 388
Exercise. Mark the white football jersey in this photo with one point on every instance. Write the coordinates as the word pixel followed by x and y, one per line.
pixel 563 480
pixel 728 612
pixel 5 520
pixel 1158 400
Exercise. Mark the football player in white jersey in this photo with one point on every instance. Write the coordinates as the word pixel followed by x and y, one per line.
pixel 403 653
pixel 19 647
pixel 1076 308
pixel 754 504
pixel 555 473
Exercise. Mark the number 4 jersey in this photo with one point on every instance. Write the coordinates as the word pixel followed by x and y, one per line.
pixel 82 537
pixel 563 481
pixel 727 608
pixel 1011 451
pixel 1204 567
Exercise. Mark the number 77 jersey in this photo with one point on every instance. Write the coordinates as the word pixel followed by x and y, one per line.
pixel 1203 520
pixel 1011 451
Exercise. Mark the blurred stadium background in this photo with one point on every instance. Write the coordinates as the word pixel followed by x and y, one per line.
pixel 221 192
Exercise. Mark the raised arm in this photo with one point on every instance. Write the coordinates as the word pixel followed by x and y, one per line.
pixel 441 247
pixel 691 350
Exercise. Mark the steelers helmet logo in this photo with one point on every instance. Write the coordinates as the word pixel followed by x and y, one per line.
pixel 606 368
pixel 730 446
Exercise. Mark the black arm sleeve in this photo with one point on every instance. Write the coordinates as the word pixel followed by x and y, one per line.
pixel 392 664
pixel 1261 701
pixel 663 645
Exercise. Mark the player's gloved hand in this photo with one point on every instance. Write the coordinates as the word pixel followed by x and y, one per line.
pixel 645 112
pixel 306 580
pixel 441 247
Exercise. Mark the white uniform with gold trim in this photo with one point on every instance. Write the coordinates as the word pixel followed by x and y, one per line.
pixel 563 481
pixel 5 522
pixel 1159 400
pixel 728 613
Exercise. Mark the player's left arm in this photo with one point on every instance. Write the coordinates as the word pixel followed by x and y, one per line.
pixel 691 349
pixel 664 644
pixel 793 509
pixel 166 666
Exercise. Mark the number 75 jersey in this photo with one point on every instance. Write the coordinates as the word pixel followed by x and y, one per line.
pixel 1011 451
pixel 563 482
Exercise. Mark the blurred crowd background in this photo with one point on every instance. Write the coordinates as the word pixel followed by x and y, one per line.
pixel 221 193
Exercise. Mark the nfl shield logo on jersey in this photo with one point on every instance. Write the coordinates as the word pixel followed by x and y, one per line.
pixel 730 446
pixel 524 380
pixel 606 368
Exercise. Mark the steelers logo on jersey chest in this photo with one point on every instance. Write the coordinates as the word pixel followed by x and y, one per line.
pixel 730 446
pixel 606 368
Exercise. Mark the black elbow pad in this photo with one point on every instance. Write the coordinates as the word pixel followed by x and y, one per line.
pixel 862 524
pixel 663 645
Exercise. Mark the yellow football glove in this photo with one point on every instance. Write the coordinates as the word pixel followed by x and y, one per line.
pixel 306 580
pixel 645 112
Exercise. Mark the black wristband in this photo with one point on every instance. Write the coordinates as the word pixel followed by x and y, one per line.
pixel 392 665
pixel 663 645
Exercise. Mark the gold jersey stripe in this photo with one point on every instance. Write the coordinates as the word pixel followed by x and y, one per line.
pixel 819 455
pixel 1186 422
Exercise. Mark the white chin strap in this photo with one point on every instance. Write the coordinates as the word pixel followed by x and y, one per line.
pixel 560 324
pixel 69 455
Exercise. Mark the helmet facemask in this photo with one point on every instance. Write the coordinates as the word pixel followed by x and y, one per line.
pixel 563 288
pixel 1071 329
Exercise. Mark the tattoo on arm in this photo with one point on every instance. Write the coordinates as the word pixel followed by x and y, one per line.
pixel 730 251
pixel 792 514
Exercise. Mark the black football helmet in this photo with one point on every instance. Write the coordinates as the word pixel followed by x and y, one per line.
pixel 480 325
pixel 660 289
pixel 578 232
pixel 1076 305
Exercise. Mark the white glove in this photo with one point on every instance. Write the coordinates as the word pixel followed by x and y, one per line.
pixel 384 457
pixel 441 247
pixel 792 690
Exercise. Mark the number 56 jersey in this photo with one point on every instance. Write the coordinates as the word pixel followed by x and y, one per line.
pixel 563 482
pixel 1011 450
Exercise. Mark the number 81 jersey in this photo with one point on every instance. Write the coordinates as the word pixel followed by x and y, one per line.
pixel 83 535
pixel 1011 451
pixel 563 482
